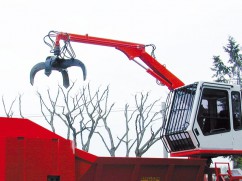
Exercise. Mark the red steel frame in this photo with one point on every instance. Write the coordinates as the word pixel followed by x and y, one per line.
pixel 219 175
pixel 131 50
pixel 30 152
pixel 205 153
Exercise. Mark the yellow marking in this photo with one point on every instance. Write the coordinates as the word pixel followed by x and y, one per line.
pixel 150 179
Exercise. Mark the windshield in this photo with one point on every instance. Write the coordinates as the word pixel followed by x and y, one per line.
pixel 180 108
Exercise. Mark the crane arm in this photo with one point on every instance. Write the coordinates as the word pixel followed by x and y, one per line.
pixel 131 50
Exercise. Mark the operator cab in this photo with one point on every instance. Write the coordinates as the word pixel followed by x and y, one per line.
pixel 203 119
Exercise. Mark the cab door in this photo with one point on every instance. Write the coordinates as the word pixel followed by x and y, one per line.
pixel 236 119
pixel 213 128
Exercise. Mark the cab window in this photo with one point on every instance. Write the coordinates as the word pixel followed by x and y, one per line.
pixel 236 108
pixel 213 113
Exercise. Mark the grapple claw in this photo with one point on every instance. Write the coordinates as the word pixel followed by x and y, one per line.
pixel 66 63
pixel 56 63
pixel 35 69
pixel 65 77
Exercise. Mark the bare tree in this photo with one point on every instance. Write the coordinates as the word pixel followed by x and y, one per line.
pixel 143 122
pixel 84 108
pixel 111 147
pixel 9 111
pixel 97 109
pixel 71 111
pixel 20 105
pixel 143 116
pixel 126 138
pixel 91 109
pixel 48 105
pixel 123 139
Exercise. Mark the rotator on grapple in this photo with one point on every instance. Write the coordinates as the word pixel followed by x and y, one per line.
pixel 64 57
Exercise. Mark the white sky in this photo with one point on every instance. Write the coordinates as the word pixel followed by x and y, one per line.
pixel 186 33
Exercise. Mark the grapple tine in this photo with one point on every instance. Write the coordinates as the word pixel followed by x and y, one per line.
pixel 66 63
pixel 65 77
pixel 35 69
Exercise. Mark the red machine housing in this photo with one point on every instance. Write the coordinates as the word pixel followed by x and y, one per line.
pixel 30 152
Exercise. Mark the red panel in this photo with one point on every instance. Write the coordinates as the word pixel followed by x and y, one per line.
pixel 85 156
pixel 31 153
pixel 23 128
pixel 15 159
pixel 84 162
pixel 30 159
pixel 154 169
pixel 2 159
pixel 205 153
pixel 66 160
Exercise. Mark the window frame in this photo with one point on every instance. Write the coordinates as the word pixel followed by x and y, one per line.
pixel 213 122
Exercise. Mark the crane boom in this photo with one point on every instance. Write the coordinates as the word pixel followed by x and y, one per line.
pixel 131 50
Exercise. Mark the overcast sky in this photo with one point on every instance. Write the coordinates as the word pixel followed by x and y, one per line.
pixel 187 33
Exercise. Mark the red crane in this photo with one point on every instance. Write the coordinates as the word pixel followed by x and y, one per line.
pixel 131 50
